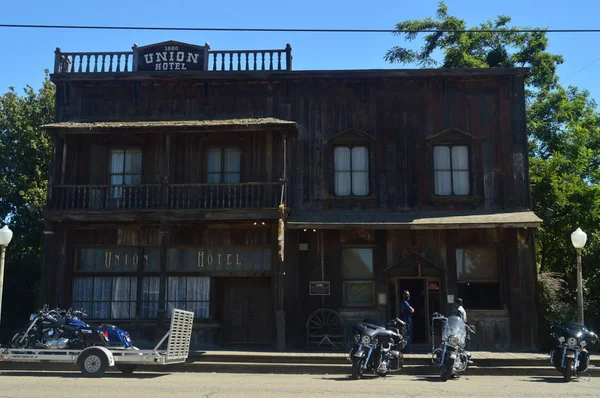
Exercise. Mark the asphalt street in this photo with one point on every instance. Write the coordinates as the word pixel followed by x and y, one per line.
pixel 72 384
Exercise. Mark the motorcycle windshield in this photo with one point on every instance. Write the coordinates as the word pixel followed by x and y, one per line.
pixel 455 327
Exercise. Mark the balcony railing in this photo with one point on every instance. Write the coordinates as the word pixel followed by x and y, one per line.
pixel 217 61
pixel 167 196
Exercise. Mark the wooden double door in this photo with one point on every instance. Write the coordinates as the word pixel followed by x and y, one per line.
pixel 248 311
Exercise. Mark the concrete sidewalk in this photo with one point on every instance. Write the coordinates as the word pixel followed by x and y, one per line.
pixel 484 364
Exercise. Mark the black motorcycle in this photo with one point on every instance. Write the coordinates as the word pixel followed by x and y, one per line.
pixel 49 329
pixel 377 347
pixel 570 356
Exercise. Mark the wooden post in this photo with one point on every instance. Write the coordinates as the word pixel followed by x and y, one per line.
pixel 288 57
pixel 162 290
pixel 57 62
pixel 206 49
pixel 63 168
pixel 134 61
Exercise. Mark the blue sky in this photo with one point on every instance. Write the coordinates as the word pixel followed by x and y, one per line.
pixel 27 52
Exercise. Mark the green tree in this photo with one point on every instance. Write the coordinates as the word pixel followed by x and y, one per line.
pixel 25 154
pixel 563 127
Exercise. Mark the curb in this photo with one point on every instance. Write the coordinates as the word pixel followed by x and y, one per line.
pixel 289 368
pixel 337 359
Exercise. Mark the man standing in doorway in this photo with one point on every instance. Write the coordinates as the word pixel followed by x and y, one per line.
pixel 460 311
pixel 406 312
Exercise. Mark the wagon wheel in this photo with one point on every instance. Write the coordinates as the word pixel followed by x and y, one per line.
pixel 325 328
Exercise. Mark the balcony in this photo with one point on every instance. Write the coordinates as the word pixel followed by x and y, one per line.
pixel 118 62
pixel 191 198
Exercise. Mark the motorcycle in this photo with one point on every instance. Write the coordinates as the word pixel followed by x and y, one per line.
pixel 451 357
pixel 377 347
pixel 60 329
pixel 570 356
pixel 115 337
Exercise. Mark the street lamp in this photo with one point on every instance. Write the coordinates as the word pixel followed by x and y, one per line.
pixel 5 238
pixel 578 238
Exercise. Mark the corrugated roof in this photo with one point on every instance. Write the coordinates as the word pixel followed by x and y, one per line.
pixel 241 122
pixel 413 220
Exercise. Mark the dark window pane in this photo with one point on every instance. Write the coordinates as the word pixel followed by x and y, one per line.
pixel 359 293
pixel 357 263
pixel 480 296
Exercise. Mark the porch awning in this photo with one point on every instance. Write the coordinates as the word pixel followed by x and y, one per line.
pixel 413 220
pixel 240 124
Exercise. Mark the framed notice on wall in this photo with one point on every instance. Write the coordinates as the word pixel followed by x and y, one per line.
pixel 319 288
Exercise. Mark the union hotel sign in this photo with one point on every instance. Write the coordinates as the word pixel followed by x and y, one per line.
pixel 170 56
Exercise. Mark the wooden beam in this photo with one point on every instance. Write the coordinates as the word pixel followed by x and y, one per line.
pixel 157 215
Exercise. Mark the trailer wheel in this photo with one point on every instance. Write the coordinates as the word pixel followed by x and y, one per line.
pixel 93 363
pixel 126 369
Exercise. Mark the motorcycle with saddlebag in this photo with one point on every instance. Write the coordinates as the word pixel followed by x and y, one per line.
pixel 570 356
pixel 451 356
pixel 377 347
pixel 62 329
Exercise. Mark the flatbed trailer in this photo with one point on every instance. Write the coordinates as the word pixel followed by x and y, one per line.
pixel 94 361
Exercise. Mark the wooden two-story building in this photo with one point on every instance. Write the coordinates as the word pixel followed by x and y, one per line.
pixel 280 206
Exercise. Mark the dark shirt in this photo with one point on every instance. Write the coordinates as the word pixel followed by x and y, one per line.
pixel 405 313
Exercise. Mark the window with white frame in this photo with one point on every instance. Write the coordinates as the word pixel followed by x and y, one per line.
pixel 478 277
pixel 125 169
pixel 223 165
pixel 351 171
pixel 451 169
pixel 358 276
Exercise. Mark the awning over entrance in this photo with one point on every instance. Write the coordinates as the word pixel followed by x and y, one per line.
pixel 413 220
pixel 241 124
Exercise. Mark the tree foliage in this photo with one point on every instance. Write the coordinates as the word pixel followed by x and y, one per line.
pixel 563 127
pixel 25 154
pixel 477 49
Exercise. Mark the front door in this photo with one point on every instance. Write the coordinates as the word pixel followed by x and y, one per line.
pixel 248 313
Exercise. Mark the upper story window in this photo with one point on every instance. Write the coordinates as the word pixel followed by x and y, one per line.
pixel 451 169
pixel 351 170
pixel 223 165
pixel 125 169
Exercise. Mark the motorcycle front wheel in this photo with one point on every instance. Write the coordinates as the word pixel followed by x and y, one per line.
pixel 568 369
pixel 17 343
pixel 446 370
pixel 357 368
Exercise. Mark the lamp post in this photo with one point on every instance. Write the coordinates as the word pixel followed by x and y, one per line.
pixel 5 238
pixel 578 238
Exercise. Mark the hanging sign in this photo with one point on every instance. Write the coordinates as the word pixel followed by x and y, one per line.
pixel 319 288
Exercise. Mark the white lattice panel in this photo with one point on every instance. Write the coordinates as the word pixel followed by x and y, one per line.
pixel 178 347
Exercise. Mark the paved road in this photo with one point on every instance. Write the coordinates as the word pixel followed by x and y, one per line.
pixel 67 384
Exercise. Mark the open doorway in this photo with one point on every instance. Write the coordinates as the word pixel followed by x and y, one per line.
pixel 425 298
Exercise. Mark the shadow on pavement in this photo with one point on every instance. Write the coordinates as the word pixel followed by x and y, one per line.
pixel 348 378
pixel 78 375
pixel 539 379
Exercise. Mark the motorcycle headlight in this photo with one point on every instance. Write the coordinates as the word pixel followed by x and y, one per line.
pixel 561 339
pixel 583 343
pixel 572 342
pixel 365 340
pixel 32 317
pixel 453 340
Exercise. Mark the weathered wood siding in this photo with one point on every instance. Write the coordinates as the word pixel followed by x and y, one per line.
pixel 401 114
